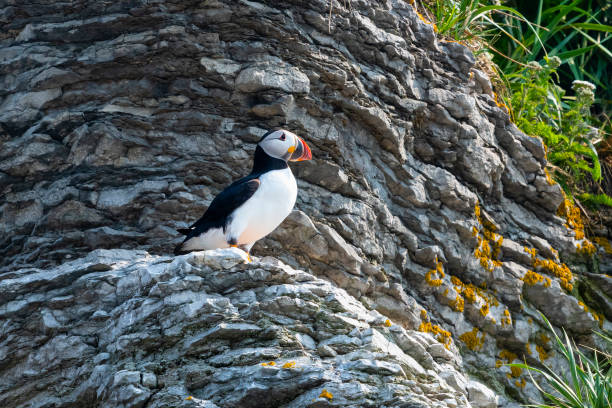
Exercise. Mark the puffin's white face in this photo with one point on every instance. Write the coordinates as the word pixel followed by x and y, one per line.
pixel 285 145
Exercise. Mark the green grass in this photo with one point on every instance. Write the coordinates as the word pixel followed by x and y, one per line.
pixel 543 52
pixel 586 384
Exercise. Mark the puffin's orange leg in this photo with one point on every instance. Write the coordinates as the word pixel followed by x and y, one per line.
pixel 249 260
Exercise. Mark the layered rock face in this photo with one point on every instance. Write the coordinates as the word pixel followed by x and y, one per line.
pixel 123 328
pixel 424 205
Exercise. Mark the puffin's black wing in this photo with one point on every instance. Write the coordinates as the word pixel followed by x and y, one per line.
pixel 222 207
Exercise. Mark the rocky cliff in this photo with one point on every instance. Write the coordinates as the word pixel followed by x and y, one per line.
pixel 426 239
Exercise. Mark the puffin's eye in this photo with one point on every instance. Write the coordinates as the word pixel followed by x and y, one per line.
pixel 282 137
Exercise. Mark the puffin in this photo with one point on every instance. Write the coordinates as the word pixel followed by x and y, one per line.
pixel 253 206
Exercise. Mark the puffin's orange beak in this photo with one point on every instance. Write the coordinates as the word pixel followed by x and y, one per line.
pixel 302 151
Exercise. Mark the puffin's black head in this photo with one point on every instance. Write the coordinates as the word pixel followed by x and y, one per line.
pixel 284 145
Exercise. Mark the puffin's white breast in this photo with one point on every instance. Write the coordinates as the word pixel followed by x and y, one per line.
pixel 266 209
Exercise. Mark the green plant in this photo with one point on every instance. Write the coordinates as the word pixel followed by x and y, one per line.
pixel 540 109
pixel 468 20
pixel 595 200
pixel 588 382
pixel 539 49
pixel 576 31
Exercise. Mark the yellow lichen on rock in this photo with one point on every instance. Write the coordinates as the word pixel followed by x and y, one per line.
pixel 388 323
pixel 597 316
pixel 458 304
pixel 571 213
pixel 541 352
pixel 289 364
pixel 471 339
pixel 509 356
pixel 573 219
pixel 542 341
pixel 326 394
pixel 484 310
pixel 586 247
pixel 438 271
pixel 506 320
pixel 443 336
pixel 489 243
pixel 560 271
pixel 532 278
pixel 423 19
pixel 549 179
pixel 471 293
pixel 604 243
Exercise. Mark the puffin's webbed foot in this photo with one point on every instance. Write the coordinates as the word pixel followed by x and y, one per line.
pixel 248 256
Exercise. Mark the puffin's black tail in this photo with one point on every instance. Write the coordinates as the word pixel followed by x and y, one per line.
pixel 178 250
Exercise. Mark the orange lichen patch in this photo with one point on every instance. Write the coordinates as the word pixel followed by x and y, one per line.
pixel 440 334
pixel 471 293
pixel 521 383
pixel 271 363
pixel 326 394
pixel 549 179
pixel 530 320
pixel 458 305
pixel 484 309
pixel 498 363
pixel 532 278
pixel 471 339
pixel 457 42
pixel 426 21
pixel 541 352
pixel 500 104
pixel 586 247
pixel 516 372
pixel 489 243
pixel 189 398
pixel 604 243
pixel 289 364
pixel 388 323
pixel 597 316
pixel 430 276
pixel 509 356
pixel 571 213
pixel 443 336
pixel 506 320
pixel 477 212
pixel 528 348
pixel 531 251
pixel 561 271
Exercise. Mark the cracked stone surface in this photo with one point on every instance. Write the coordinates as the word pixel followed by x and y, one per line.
pixel 130 329
pixel 120 121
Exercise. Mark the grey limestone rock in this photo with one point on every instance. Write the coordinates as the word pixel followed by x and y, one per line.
pixel 121 121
